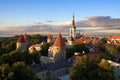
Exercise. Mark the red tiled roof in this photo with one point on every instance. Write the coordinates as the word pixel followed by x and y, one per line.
pixel 78 41
pixel 93 55
pixel 59 41
pixel 21 39
pixel 33 47
pixel 25 37
pixel 116 37
pixel 50 36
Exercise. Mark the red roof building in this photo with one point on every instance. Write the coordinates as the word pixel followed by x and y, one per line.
pixel 25 37
pixel 116 37
pixel 59 41
pixel 21 39
pixel 50 36
pixel 79 41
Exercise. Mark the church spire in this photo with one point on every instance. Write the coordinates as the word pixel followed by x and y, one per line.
pixel 73 21
pixel 73 28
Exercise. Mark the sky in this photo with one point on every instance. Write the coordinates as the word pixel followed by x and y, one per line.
pixel 25 12
pixel 15 13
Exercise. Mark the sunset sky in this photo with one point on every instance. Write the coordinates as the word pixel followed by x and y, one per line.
pixel 16 13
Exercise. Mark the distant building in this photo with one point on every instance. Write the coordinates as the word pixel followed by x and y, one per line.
pixel 115 37
pixel 115 40
pixel 51 71
pixel 22 42
pixel 70 41
pixel 32 49
pixel 56 52
pixel 87 40
pixel 58 49
pixel 55 65
pixel 50 38
pixel 116 69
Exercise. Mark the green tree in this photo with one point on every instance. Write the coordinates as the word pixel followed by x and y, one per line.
pixel 36 39
pixel 89 69
pixel 22 72
pixel 69 52
pixel 101 47
pixel 107 51
pixel 76 48
pixel 4 71
pixel 118 49
pixel 103 40
pixel 112 50
pixel 44 49
pixel 15 56
pixel 7 44
pixel 35 56
pixel 18 71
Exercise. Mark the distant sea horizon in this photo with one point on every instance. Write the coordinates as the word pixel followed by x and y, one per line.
pixel 64 35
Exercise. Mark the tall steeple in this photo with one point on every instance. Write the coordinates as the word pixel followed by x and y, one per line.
pixel 73 28
pixel 73 21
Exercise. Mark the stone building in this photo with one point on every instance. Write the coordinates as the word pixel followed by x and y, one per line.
pixel 56 52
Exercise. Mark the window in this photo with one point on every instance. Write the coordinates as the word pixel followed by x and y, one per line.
pixel 43 75
pixel 47 73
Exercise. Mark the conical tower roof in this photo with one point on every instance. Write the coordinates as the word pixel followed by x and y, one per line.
pixel 25 37
pixel 73 21
pixel 21 39
pixel 59 41
pixel 50 36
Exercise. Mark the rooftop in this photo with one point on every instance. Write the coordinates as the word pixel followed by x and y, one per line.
pixel 59 41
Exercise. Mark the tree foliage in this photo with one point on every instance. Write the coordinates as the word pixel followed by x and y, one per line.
pixel 89 69
pixel 36 39
pixel 76 48
pixel 20 55
pixel 103 40
pixel 35 56
pixel 44 49
pixel 107 51
pixel 7 44
pixel 18 71
pixel 15 56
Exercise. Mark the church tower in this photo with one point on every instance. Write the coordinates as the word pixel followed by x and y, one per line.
pixel 73 28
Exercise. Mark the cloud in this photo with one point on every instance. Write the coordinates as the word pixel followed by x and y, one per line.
pixel 97 21
pixel 31 29
pixel 49 21
pixel 94 24
pixel 104 21
pixel 39 23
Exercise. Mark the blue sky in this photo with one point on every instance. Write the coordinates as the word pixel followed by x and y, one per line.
pixel 28 12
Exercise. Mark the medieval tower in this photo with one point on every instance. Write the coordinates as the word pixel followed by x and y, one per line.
pixel 22 42
pixel 59 49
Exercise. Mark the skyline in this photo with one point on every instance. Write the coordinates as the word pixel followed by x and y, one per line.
pixel 52 14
